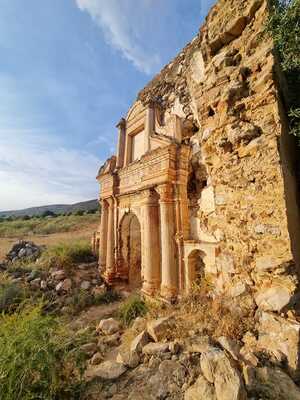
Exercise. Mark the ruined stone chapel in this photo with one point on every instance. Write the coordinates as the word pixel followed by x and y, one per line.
pixel 203 182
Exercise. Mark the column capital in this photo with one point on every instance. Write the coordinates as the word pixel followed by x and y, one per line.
pixel 121 124
pixel 147 196
pixel 166 192
pixel 110 201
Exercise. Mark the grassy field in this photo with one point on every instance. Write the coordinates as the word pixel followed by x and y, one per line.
pixel 51 231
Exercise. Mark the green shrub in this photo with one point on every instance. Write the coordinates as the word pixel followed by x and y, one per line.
pixel 284 26
pixel 66 255
pixel 37 359
pixel 11 295
pixel 83 299
pixel 134 307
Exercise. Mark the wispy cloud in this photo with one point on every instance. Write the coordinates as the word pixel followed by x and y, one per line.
pixel 38 169
pixel 123 26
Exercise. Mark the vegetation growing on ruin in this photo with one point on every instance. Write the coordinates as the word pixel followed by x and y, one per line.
pixel 284 25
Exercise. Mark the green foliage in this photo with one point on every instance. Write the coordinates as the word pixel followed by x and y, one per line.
pixel 11 295
pixel 284 26
pixel 45 226
pixel 65 255
pixel 37 359
pixel 79 212
pixel 84 299
pixel 134 307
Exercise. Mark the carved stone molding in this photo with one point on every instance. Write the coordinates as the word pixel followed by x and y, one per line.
pixel 165 192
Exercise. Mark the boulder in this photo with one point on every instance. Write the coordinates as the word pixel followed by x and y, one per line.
pixel 108 326
pixel 130 359
pixel 108 370
pixel 274 298
pixel 231 346
pixel 271 383
pixel 201 390
pixel 217 368
pixel 89 348
pixel 155 348
pixel 198 344
pixel 158 328
pixel 96 359
pixel 280 337
pixel 139 342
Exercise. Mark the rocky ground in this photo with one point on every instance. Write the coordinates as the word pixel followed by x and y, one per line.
pixel 173 352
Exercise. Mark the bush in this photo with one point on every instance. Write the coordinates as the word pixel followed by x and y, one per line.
pixel 134 307
pixel 66 255
pixel 284 26
pixel 37 360
pixel 11 295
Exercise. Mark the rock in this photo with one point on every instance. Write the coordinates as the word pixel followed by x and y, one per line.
pixel 64 286
pixel 272 383
pixel 58 275
pixel 198 344
pixel 279 336
pixel 274 298
pixel 36 283
pixel 218 369
pixel 231 346
pixel 85 285
pixel 155 348
pixel 201 390
pixel 96 359
pixel 174 347
pixel 89 348
pixel 112 340
pixel 108 326
pixel 158 329
pixel 130 359
pixel 33 275
pixel 44 285
pixel 139 342
pixel 108 370
pixel 22 253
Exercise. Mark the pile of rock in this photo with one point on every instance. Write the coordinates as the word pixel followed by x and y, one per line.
pixel 153 366
pixel 24 250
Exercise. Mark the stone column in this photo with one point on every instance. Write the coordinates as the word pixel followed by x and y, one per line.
pixel 149 125
pixel 169 269
pixel 103 236
pixel 110 257
pixel 121 143
pixel 150 242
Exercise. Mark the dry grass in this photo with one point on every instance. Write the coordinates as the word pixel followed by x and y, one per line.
pixel 80 232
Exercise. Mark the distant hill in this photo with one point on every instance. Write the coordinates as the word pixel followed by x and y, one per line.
pixel 56 208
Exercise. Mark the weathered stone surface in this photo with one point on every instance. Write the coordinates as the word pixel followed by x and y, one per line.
pixel 273 299
pixel 108 326
pixel 108 370
pixel 158 329
pixel 155 348
pixel 130 359
pixel 201 390
pixel 272 383
pixel 139 342
pixel 218 369
pixel 280 337
pixel 230 345
pixel 198 344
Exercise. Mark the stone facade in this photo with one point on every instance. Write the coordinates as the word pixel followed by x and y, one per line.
pixel 203 183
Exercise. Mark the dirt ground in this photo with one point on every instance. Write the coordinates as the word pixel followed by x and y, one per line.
pixel 48 240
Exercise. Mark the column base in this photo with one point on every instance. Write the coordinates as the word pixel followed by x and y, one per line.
pixel 150 288
pixel 169 293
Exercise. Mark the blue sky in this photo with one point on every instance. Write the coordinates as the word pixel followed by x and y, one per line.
pixel 69 71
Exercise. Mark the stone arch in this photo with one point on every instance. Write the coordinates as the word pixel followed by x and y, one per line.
pixel 130 250
pixel 196 267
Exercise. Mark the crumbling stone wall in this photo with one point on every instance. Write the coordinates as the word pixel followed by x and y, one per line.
pixel 242 189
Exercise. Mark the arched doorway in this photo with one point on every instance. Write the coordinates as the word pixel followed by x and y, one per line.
pixel 196 267
pixel 130 249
